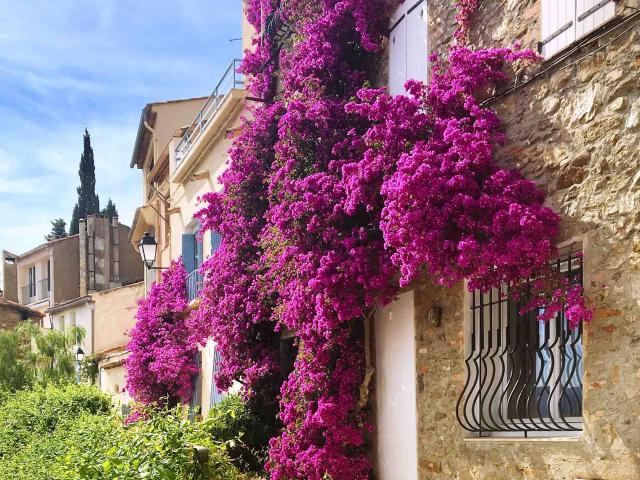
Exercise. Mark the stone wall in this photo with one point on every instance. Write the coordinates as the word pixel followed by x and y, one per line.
pixel 575 131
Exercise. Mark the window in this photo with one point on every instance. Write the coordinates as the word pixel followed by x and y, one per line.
pixel 565 21
pixel 32 283
pixel 192 253
pixel 216 240
pixel 524 376
pixel 216 395
pixel 408 45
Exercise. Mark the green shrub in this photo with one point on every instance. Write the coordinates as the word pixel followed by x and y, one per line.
pixel 244 432
pixel 72 433
pixel 36 413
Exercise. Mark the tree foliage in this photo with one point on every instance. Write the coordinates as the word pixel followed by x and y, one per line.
pixel 58 229
pixel 30 355
pixel 88 202
pixel 110 210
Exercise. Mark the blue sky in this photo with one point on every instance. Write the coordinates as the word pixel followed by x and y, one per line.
pixel 67 64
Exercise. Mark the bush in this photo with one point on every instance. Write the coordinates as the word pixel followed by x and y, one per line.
pixel 244 432
pixel 72 433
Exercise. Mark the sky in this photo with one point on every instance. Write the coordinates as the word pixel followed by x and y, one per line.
pixel 70 64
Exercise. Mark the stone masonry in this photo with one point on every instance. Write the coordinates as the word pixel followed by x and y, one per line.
pixel 575 131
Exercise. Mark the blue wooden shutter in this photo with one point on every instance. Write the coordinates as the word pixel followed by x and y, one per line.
pixel 216 395
pixel 216 240
pixel 189 252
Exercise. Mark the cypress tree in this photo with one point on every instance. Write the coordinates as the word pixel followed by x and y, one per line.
pixel 88 201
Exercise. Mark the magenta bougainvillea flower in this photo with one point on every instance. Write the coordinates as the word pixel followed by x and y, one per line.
pixel 334 192
pixel 161 363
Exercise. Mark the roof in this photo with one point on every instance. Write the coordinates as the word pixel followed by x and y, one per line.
pixel 143 137
pixel 45 245
pixel 69 303
pixel 20 308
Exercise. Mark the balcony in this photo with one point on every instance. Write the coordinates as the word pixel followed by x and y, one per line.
pixel 194 285
pixel 36 292
pixel 230 81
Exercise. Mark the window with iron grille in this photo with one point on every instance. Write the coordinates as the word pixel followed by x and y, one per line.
pixel 524 376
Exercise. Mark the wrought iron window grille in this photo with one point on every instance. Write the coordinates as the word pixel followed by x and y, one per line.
pixel 523 376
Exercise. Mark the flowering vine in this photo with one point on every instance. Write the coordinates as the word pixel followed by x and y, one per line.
pixel 161 364
pixel 333 193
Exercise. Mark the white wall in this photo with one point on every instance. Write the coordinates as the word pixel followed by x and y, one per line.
pixel 396 390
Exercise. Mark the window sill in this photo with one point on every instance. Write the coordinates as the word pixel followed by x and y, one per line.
pixel 470 440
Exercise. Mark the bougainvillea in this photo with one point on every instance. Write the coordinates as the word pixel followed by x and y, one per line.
pixel 333 193
pixel 161 364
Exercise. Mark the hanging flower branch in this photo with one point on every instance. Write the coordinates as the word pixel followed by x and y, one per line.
pixel 161 364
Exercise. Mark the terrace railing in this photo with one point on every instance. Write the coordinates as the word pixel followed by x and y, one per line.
pixel 231 79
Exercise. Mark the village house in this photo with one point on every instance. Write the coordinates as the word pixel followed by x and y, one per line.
pixel 465 386
pixel 63 280
pixel 191 161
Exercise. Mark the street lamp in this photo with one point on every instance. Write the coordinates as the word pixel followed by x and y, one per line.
pixel 79 360
pixel 148 248
pixel 10 260
pixel 79 355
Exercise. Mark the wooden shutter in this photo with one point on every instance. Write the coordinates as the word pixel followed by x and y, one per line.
pixel 189 252
pixel 398 52
pixel 558 26
pixel 417 41
pixel 590 14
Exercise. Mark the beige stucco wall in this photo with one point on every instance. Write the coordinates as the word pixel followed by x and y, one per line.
pixel 77 314
pixel 575 131
pixel 184 195
pixel 114 315
pixel 66 269
pixel 10 277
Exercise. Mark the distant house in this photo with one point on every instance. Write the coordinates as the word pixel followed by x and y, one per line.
pixel 62 281
pixel 12 314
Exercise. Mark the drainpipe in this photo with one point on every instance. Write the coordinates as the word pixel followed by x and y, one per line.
pixel 154 141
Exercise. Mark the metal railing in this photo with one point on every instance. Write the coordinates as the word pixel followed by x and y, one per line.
pixel 231 79
pixel 35 292
pixel 194 285
pixel 523 375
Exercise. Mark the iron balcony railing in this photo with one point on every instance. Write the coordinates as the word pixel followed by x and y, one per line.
pixel 36 292
pixel 523 375
pixel 231 79
pixel 194 285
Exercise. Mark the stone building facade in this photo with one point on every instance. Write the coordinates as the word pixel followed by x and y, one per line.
pixel 573 126
pixel 574 130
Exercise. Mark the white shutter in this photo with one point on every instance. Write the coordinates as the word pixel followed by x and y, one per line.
pixel 398 53
pixel 590 14
pixel 558 26
pixel 417 41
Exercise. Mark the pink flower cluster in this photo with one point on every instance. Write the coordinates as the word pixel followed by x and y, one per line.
pixel 334 191
pixel 161 363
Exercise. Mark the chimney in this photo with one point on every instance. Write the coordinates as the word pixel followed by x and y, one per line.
pixel 84 275
pixel 10 271
pixel 115 251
